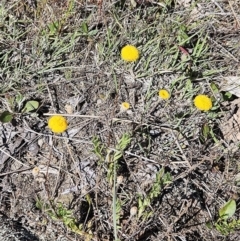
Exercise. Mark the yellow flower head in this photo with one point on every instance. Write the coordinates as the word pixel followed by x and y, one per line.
pixel 164 94
pixel 125 106
pixel 57 124
pixel 129 53
pixel 203 102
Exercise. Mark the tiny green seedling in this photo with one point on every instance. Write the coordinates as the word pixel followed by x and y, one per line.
pixel 144 202
pixel 61 213
pixel 228 210
pixel 54 28
pixel 98 149
pixel 114 155
pixel 224 225
pixel 214 88
pixel 111 157
pixel 86 32
pixel 15 104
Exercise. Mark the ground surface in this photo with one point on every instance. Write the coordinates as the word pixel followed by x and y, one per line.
pixel 158 171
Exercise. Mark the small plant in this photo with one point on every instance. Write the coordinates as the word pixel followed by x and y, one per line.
pixel 223 224
pixel 53 28
pixel 112 157
pixel 99 149
pixel 61 213
pixel 15 105
pixel 144 202
pixel 86 32
pixel 31 105
pixel 6 116
pixel 120 147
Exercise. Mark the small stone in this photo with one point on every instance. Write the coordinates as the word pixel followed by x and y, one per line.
pixel 99 102
pixel 35 171
pixel 68 109
pixel 119 180
pixel 133 211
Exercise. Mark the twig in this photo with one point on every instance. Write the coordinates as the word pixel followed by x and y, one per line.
pixel 72 115
pixel 180 148
pixel 16 171
pixel 235 15
pixel 217 5
pixel 225 50
pixel 141 157
pixel 14 158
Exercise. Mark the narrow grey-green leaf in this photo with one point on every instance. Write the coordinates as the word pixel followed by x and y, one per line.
pixel 206 130
pixel 6 117
pixel 93 32
pixel 228 210
pixel 214 87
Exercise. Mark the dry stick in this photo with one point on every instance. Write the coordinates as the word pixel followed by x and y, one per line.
pixel 16 171
pixel 192 168
pixel 224 49
pixel 14 158
pixel 59 137
pixel 235 15
pixel 49 93
pixel 43 85
pixel 92 116
pixel 140 157
pixel 70 153
pixel 180 148
pixel 58 175
pixel 129 121
pixel 99 117
pixel 217 5
pixel 72 115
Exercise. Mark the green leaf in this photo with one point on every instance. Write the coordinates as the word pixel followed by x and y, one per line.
pixel 214 87
pixel 209 225
pixel 19 98
pixel 228 210
pixel 123 142
pixel 39 204
pixel 54 27
pixel 93 32
pixel 206 130
pixel 167 178
pixel 84 27
pixel 117 155
pixel 30 106
pixel 6 117
pixel 227 95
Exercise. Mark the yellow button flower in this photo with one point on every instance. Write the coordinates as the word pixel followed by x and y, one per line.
pixel 125 106
pixel 164 94
pixel 129 53
pixel 203 102
pixel 57 124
